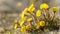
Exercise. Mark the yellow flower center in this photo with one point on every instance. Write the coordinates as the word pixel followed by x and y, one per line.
pixel 42 23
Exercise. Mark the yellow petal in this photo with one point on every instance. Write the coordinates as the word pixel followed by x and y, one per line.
pixel 41 6
pixel 15 26
pixel 29 19
pixel 25 10
pixel 31 6
pixel 21 23
pixel 32 9
pixel 38 13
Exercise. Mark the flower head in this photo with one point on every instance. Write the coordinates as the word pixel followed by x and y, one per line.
pixel 55 9
pixel 38 13
pixel 42 23
pixel 44 6
pixel 31 8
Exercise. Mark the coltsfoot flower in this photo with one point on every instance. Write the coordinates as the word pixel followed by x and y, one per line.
pixel 54 9
pixel 31 8
pixel 38 13
pixel 44 6
pixel 42 23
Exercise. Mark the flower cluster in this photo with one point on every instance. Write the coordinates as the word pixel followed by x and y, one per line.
pixel 31 19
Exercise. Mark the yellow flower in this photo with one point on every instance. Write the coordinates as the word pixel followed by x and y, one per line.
pixel 23 12
pixel 55 9
pixel 21 21
pixel 23 29
pixel 31 8
pixel 29 19
pixel 44 6
pixel 42 23
pixel 28 26
pixel 15 26
pixel 38 13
